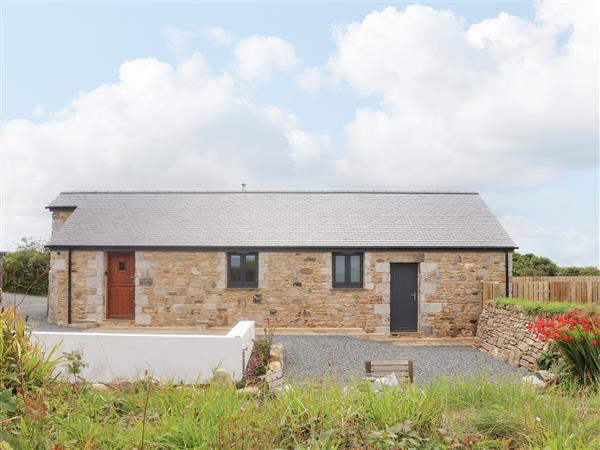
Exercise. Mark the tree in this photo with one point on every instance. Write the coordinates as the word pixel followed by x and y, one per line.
pixel 26 269
pixel 530 265
pixel 578 271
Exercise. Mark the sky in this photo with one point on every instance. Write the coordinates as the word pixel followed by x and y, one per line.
pixel 496 97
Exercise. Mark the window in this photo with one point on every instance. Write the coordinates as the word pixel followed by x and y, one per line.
pixel 121 266
pixel 347 270
pixel 242 270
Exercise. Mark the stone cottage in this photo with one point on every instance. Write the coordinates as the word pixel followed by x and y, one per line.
pixel 384 262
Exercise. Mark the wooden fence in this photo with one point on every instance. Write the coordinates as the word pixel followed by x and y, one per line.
pixel 548 289
pixel 560 289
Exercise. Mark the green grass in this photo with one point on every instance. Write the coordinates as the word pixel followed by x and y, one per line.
pixel 448 413
pixel 547 308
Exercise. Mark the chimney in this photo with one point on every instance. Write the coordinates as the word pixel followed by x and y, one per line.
pixel 243 187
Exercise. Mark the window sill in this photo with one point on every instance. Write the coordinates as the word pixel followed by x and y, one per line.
pixel 348 289
pixel 242 289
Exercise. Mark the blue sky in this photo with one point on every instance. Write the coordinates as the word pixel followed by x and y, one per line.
pixel 461 117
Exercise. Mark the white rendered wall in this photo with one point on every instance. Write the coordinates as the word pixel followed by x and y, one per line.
pixel 177 357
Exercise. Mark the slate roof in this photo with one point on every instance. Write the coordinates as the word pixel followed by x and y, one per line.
pixel 278 219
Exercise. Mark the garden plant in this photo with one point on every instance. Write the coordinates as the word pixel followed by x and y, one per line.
pixel 577 336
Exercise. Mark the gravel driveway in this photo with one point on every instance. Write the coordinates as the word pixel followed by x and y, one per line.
pixel 344 358
pixel 33 309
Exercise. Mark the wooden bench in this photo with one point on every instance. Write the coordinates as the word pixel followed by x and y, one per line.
pixel 403 368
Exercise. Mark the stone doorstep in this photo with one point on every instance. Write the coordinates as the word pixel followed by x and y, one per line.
pixel 133 329
pixel 289 331
pixel 422 341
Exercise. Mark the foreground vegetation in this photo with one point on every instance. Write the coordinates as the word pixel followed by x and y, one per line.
pixel 449 413
pixel 39 412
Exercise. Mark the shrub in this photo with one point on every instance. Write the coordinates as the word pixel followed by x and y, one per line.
pixel 23 363
pixel 260 370
pixel 264 350
pixel 26 269
pixel 577 337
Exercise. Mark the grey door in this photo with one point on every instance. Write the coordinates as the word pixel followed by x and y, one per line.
pixel 403 297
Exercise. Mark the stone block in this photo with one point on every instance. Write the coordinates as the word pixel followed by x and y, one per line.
pixel 381 308
pixel 180 309
pixel 426 330
pixel 141 299
pixel 58 264
pixel 428 267
pixel 277 352
pixel 382 267
pixel 222 376
pixel 382 288
pixel 143 319
pixel 428 288
pixel 431 308
pixel 95 300
pixel 274 366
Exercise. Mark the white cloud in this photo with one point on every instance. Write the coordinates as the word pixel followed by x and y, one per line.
pixel 312 79
pixel 177 39
pixel 158 127
pixel 218 36
pixel 307 147
pixel 578 245
pixel 462 107
pixel 257 57
pixel 39 111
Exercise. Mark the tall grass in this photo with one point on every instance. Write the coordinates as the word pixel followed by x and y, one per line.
pixel 23 362
pixel 473 413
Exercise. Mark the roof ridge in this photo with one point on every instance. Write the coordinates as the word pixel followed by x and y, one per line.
pixel 273 192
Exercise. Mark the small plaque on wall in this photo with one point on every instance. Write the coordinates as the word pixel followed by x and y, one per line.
pixel 145 281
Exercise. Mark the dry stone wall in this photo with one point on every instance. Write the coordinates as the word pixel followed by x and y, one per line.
pixel 503 333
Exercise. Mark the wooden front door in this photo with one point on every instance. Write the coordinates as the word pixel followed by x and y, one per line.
pixel 404 302
pixel 120 286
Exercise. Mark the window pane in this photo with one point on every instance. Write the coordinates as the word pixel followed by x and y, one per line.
pixel 234 268
pixel 355 269
pixel 121 266
pixel 250 268
pixel 340 268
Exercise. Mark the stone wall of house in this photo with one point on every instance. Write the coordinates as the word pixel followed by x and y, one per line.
pixel 503 333
pixel 87 286
pixel 58 219
pixel 190 288
pixel 295 290
pixel 58 287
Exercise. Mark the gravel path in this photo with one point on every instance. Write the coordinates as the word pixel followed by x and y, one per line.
pixel 344 357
